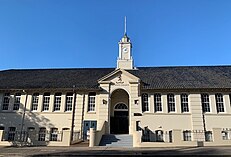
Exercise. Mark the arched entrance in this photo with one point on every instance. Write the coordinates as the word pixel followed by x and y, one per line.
pixel 119 122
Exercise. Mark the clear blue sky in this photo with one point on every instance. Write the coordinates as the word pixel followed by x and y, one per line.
pixel 85 33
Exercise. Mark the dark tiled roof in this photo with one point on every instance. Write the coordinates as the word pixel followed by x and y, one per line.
pixel 153 77
pixel 52 78
pixel 185 77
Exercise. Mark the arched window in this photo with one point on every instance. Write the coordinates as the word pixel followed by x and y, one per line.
pixel 121 107
pixel 145 106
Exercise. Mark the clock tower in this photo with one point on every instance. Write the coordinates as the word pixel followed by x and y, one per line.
pixel 125 60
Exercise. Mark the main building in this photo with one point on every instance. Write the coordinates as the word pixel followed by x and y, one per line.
pixel 121 106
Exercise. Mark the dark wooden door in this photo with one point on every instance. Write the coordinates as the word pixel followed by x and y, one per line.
pixel 119 123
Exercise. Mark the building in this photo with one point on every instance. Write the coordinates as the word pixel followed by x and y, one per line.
pixel 155 106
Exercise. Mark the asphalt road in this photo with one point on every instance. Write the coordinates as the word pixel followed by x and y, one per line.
pixel 108 151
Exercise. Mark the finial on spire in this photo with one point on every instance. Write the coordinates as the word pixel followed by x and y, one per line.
pixel 125 26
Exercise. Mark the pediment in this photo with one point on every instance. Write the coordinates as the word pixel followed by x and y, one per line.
pixel 119 76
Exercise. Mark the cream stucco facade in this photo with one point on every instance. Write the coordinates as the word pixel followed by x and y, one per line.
pixel 154 117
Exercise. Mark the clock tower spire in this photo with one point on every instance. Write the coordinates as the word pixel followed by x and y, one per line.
pixel 125 60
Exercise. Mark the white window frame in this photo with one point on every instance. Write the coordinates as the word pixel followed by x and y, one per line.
pixel 57 101
pixel 17 98
pixel 205 102
pixel 46 102
pixel 6 102
pixel 219 102
pixel 171 102
pixel 225 135
pixel 187 135
pixel 145 102
pixel 208 136
pixel 91 102
pixel 158 102
pixel 54 134
pixel 69 102
pixel 42 134
pixel 34 102
pixel 184 102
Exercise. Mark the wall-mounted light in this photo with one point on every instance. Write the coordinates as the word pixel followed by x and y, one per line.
pixel 136 102
pixel 104 102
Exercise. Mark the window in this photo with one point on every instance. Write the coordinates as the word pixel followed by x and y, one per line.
pixel 17 98
pixel 208 136
pixel 157 102
pixel 159 136
pixel 219 103
pixel 57 102
pixel 11 133
pixel 42 134
pixel 121 107
pixel 184 103
pixel 145 106
pixel 187 135
pixel 2 128
pixel 54 134
pixel 91 101
pixel 30 129
pixel 35 98
pixel 205 102
pixel 46 101
pixel 69 100
pixel 171 103
pixel 225 135
pixel 6 101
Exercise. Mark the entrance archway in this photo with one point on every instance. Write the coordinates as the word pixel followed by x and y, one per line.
pixel 119 122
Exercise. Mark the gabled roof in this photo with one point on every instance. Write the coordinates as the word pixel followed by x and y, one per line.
pixel 185 77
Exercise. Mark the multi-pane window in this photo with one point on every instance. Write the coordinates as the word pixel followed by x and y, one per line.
pixel 184 103
pixel 69 100
pixel 219 103
pixel 34 105
pixel 205 102
pixel 46 101
pixel 171 103
pixel 11 133
pixel 157 102
pixel 208 136
pixel 91 101
pixel 187 135
pixel 6 101
pixel 145 106
pixel 225 135
pixel 42 134
pixel 54 134
pixel 17 98
pixel 159 136
pixel 57 102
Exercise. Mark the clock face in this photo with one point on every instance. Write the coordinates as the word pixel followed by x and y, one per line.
pixel 125 49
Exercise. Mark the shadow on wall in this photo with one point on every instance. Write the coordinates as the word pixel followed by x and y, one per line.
pixel 23 127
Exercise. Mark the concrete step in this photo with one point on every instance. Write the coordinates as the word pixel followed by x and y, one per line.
pixel 122 140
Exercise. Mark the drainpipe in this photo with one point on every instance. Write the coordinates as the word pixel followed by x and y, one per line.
pixel 73 114
pixel 23 117
pixel 81 131
pixel 109 108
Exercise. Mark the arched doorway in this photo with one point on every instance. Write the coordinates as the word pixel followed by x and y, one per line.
pixel 119 122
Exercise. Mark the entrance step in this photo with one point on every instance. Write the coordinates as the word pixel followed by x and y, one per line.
pixel 123 140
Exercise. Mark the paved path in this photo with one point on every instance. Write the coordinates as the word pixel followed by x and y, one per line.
pixel 108 151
